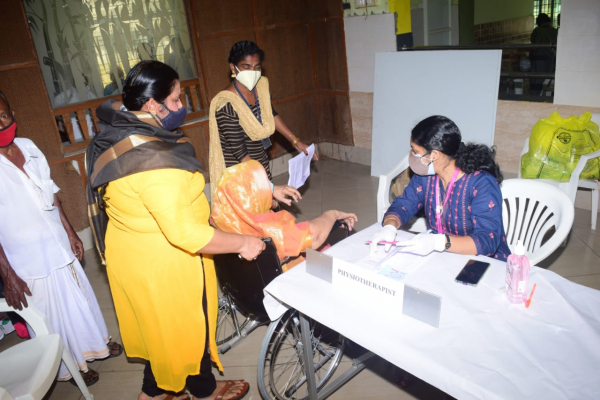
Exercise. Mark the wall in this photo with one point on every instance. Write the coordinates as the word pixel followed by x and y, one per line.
pixel 364 38
pixel 380 8
pixel 515 30
pixel 578 57
pixel 22 82
pixel 500 10
pixel 305 60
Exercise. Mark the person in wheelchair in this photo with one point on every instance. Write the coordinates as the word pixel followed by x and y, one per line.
pixel 242 205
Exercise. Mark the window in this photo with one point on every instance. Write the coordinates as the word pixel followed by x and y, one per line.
pixel 86 47
pixel 549 7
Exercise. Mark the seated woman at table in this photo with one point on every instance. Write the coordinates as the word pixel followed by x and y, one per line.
pixel 242 204
pixel 457 185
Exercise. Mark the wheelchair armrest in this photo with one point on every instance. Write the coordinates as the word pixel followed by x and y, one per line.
pixel 339 224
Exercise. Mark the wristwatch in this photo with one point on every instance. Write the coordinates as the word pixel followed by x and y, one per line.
pixel 448 243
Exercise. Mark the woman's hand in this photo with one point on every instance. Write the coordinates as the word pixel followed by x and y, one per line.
pixel 303 148
pixel 252 247
pixel 15 290
pixel 387 234
pixel 349 218
pixel 281 193
pixel 423 244
pixel 76 246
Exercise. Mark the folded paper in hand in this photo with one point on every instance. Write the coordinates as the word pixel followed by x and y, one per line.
pixel 300 167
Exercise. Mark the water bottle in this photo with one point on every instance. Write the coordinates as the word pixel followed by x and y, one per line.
pixel 517 275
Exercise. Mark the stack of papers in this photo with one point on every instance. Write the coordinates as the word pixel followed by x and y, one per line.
pixel 396 265
pixel 300 167
pixel 400 265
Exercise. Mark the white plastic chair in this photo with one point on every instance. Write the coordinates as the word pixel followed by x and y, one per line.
pixel 383 196
pixel 531 208
pixel 28 369
pixel 571 186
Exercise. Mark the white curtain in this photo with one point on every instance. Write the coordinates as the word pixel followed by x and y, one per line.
pixel 86 47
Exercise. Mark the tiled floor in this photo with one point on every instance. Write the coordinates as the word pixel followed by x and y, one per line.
pixel 332 184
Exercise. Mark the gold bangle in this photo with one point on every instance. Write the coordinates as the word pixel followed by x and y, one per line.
pixel 295 141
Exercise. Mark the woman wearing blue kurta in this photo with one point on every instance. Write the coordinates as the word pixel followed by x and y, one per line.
pixel 457 185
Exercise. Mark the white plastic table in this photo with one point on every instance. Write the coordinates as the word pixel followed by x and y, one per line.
pixel 485 347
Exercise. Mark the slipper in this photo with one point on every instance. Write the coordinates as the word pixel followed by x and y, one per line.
pixel 110 346
pixel 228 385
pixel 84 375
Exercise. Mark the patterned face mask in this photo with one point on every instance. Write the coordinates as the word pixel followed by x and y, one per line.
pixel 415 161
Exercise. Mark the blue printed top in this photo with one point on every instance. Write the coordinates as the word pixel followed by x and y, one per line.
pixel 474 209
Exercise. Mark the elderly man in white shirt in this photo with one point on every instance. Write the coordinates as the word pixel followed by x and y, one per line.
pixel 40 252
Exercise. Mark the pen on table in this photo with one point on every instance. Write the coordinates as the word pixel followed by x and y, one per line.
pixel 382 242
pixel 530 296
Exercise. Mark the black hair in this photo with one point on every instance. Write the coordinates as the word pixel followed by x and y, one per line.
pixel 441 134
pixel 148 79
pixel 542 18
pixel 243 49
pixel 3 97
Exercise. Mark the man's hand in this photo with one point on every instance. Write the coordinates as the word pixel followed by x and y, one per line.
pixel 15 290
pixel 76 246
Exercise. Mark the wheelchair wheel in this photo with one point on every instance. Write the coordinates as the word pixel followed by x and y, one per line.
pixel 281 373
pixel 228 317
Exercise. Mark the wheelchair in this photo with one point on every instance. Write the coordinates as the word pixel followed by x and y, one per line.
pixel 280 367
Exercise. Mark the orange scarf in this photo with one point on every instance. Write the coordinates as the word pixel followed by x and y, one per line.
pixel 242 204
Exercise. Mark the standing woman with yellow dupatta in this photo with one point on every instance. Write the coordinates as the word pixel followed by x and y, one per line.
pixel 150 218
pixel 241 116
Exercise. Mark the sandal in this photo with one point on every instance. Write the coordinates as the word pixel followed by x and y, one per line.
pixel 228 385
pixel 114 351
pixel 89 378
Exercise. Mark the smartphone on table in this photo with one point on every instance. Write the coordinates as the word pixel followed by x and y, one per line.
pixel 472 272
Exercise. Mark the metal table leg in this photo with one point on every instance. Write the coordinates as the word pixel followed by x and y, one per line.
pixel 307 352
pixel 358 364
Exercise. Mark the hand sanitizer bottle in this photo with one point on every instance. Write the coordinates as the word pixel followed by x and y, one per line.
pixel 517 275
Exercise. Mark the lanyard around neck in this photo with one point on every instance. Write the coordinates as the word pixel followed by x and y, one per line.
pixel 248 104
pixel 439 209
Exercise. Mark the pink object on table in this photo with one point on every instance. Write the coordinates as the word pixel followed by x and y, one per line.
pixel 382 242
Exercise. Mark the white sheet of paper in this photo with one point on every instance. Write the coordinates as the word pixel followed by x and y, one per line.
pixel 400 265
pixel 372 264
pixel 299 167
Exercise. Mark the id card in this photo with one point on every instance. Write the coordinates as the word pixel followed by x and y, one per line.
pixel 266 143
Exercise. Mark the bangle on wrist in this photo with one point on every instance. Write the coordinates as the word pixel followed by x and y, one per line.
pixel 295 141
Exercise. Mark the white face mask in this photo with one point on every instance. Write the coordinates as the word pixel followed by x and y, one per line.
pixel 248 78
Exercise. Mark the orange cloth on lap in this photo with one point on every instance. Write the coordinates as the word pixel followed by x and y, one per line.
pixel 242 204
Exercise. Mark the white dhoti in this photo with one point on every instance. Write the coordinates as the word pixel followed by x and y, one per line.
pixel 71 306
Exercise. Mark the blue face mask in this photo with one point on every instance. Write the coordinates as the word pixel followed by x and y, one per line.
pixel 174 119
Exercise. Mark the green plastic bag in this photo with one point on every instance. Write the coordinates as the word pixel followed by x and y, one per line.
pixel 556 144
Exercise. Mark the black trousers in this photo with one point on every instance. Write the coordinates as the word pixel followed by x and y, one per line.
pixel 202 385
